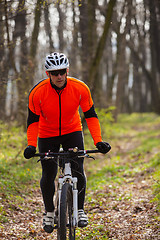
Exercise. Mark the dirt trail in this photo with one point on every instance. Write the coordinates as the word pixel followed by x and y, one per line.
pixel 131 214
pixel 125 212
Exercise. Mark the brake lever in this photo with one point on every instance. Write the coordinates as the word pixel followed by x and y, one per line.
pixel 88 156
pixel 45 158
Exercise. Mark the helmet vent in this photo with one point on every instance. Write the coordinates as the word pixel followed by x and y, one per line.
pixel 61 60
pixel 48 63
pixel 53 62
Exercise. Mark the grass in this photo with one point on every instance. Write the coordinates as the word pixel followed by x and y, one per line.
pixel 142 131
pixel 18 175
pixel 156 176
pixel 135 150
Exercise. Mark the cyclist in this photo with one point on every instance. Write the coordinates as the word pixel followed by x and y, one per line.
pixel 54 118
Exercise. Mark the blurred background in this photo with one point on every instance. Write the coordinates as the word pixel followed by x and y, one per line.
pixel 113 46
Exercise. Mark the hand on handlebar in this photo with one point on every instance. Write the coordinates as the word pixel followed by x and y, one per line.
pixel 29 152
pixel 103 147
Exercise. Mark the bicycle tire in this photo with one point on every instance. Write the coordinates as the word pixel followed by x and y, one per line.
pixel 66 229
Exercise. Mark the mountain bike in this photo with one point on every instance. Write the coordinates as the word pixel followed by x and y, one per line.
pixel 66 197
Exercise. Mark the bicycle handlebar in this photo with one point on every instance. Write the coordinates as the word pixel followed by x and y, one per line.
pixel 66 153
pixel 71 153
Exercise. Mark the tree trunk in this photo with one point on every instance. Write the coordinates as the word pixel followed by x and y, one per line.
pixel 34 44
pixel 151 80
pixel 92 43
pixel 83 29
pixel 48 27
pixel 2 65
pixel 110 70
pixel 22 80
pixel 74 45
pixel 122 70
pixel 101 44
pixel 34 40
pixel 154 7
pixel 60 28
pixel 155 56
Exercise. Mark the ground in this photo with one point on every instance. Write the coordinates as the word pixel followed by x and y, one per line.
pixel 123 212
pixel 120 206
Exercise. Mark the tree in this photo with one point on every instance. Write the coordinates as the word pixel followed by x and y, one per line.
pixel 101 44
pixel 60 28
pixel 48 27
pixel 22 80
pixel 34 40
pixel 114 46
pixel 83 30
pixel 154 7
pixel 2 66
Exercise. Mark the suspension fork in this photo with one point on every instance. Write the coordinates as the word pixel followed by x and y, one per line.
pixel 75 202
pixel 73 180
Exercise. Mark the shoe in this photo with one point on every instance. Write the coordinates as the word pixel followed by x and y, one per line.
pixel 82 218
pixel 48 222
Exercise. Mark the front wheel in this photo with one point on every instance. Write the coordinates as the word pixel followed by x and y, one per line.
pixel 66 229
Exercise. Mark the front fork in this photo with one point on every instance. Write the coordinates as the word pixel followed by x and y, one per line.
pixel 61 181
pixel 60 184
pixel 75 203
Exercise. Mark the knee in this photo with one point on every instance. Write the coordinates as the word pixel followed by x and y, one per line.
pixel 49 171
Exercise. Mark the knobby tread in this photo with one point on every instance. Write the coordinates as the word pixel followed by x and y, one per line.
pixel 65 210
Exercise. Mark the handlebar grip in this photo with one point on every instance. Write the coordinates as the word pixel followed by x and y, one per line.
pixel 93 151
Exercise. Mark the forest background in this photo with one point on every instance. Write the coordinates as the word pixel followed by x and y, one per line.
pixel 113 46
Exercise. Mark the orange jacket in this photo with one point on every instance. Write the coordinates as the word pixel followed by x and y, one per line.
pixel 55 113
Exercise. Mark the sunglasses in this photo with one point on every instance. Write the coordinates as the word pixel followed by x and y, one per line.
pixel 56 72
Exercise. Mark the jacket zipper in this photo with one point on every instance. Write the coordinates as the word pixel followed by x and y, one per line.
pixel 60 114
pixel 60 111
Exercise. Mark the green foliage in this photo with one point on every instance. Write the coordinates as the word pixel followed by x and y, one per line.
pixel 17 173
pixel 135 154
pixel 155 162
pixel 105 116
pixel 95 232
pixel 137 137
pixel 3 218
pixel 137 118
pixel 106 120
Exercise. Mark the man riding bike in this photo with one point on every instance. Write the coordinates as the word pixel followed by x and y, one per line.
pixel 53 118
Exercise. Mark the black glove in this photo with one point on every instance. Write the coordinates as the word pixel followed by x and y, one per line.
pixel 29 152
pixel 103 147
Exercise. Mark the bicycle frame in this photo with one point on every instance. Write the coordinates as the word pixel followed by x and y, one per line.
pixel 63 181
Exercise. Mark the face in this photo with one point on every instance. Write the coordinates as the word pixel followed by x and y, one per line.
pixel 58 77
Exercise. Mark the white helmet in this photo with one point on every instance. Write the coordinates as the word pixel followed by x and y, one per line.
pixel 56 61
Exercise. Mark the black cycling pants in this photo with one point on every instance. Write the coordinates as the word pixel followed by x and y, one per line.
pixel 49 168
